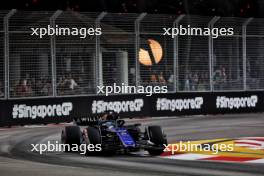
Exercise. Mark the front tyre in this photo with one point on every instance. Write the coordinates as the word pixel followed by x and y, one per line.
pixel 157 137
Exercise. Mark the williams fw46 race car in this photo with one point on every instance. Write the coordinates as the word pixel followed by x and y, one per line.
pixel 113 136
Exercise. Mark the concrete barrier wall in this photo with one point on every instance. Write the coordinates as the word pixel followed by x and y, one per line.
pixel 55 110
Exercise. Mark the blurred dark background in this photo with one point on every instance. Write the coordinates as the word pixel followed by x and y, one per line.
pixel 239 8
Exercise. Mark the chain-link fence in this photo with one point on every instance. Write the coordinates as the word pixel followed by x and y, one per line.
pixel 131 50
pixel 194 63
pixel 117 49
pixel 75 58
pixel 29 56
pixel 156 56
pixel 2 55
pixel 254 54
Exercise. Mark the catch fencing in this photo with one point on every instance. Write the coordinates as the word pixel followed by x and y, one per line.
pixel 131 50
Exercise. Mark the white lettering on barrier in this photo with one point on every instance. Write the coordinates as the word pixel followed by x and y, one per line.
pixel 101 106
pixel 24 111
pixel 223 102
pixel 164 104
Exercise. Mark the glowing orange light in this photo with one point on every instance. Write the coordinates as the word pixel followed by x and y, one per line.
pixel 156 49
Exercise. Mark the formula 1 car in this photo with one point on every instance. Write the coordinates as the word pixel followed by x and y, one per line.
pixel 114 136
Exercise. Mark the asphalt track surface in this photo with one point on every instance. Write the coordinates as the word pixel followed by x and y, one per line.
pixel 17 159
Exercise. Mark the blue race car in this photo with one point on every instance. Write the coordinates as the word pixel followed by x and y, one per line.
pixel 112 135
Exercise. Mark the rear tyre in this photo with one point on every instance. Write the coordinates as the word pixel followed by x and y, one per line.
pixel 157 137
pixel 71 135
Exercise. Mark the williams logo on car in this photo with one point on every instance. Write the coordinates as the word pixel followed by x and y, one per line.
pixel 42 111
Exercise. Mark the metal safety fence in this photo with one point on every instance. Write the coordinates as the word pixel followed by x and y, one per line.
pixel 131 50
pixel 2 56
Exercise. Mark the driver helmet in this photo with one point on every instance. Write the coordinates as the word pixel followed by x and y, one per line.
pixel 111 115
